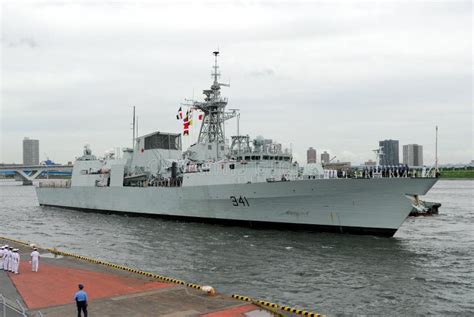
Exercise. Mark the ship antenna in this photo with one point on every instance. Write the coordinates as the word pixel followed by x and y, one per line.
pixel 133 127
pixel 216 73
pixel 436 151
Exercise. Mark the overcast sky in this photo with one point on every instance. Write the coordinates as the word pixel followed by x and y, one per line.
pixel 334 75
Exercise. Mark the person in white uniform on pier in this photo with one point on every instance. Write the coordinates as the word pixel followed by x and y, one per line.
pixel 2 248
pixel 35 260
pixel 10 259
pixel 16 261
pixel 5 258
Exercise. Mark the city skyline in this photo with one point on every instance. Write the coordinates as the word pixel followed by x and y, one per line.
pixel 341 76
pixel 323 153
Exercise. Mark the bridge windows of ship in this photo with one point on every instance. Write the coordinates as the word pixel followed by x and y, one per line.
pixel 165 141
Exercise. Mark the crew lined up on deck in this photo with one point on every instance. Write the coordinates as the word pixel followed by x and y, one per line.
pixel 10 259
pixel 384 171
pixel 391 171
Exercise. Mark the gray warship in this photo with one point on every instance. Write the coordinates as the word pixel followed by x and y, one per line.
pixel 242 181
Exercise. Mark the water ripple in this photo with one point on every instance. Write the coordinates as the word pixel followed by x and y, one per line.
pixel 427 266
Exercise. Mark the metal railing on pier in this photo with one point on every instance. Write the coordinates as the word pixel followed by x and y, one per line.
pixel 9 308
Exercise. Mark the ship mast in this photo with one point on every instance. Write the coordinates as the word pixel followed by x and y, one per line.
pixel 378 156
pixel 213 107
pixel 133 127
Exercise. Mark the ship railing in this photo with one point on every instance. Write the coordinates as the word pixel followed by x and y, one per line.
pixel 168 182
pixel 393 174
pixel 369 174
pixel 55 184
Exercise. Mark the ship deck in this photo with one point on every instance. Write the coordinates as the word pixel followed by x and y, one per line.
pixel 111 291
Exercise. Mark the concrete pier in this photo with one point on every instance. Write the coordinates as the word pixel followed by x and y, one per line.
pixel 114 291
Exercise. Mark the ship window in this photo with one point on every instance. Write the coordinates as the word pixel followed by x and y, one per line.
pixel 239 158
pixel 222 148
pixel 163 141
pixel 265 157
pixel 286 158
pixel 247 158
pixel 231 166
pixel 209 147
pixel 279 158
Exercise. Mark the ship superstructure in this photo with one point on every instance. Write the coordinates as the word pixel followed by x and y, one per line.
pixel 252 181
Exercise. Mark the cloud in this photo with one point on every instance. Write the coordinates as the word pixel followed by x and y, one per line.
pixel 262 73
pixel 24 41
pixel 327 74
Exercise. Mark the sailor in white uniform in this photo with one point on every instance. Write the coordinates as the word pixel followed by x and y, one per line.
pixel 5 258
pixel 2 248
pixel 35 260
pixel 10 259
pixel 16 260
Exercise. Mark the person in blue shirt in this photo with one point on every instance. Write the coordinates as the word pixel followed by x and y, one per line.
pixel 81 301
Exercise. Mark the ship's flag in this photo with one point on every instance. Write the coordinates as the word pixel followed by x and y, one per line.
pixel 191 122
pixel 180 113
pixel 200 116
pixel 177 117
pixel 186 125
pixel 186 132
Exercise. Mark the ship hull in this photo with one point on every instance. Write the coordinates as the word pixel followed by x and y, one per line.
pixel 361 206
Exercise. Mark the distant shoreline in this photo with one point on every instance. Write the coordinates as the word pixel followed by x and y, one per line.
pixel 457 174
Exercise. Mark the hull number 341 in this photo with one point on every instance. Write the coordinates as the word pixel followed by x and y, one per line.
pixel 239 201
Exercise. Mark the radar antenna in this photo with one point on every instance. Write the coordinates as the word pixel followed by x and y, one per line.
pixel 213 107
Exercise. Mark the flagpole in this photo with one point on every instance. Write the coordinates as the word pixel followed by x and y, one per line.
pixel 133 127
pixel 436 151
pixel 238 130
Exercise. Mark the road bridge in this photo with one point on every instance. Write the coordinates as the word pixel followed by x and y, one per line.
pixel 28 173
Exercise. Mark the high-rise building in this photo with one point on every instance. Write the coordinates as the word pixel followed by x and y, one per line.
pixel 325 157
pixel 390 152
pixel 311 155
pixel 30 152
pixel 413 155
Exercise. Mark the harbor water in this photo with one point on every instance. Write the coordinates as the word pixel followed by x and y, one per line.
pixel 427 268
